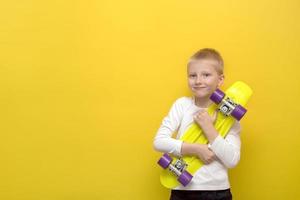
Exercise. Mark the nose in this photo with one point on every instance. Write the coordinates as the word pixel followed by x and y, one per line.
pixel 199 80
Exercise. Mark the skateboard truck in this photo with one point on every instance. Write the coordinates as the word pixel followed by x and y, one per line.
pixel 227 106
pixel 178 168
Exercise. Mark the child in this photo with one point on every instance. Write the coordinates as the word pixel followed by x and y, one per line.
pixel 210 182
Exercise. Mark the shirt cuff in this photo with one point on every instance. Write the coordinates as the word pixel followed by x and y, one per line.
pixel 177 149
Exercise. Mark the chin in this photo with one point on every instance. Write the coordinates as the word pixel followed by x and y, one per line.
pixel 202 95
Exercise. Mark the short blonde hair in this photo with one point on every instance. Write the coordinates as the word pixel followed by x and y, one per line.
pixel 209 53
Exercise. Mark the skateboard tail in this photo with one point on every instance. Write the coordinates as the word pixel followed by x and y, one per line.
pixel 240 92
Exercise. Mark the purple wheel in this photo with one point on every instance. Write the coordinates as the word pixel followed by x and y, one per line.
pixel 185 178
pixel 238 112
pixel 217 96
pixel 165 161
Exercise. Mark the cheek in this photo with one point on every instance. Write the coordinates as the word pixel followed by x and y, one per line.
pixel 213 81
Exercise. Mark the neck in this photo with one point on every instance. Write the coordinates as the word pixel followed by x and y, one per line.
pixel 202 102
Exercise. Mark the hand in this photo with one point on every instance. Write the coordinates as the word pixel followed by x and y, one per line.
pixel 205 154
pixel 204 120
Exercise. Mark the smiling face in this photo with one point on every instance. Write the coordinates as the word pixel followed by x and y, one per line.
pixel 203 78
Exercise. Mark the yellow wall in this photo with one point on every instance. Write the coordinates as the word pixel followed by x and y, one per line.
pixel 86 84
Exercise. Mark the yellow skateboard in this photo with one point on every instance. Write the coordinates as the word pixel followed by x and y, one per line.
pixel 231 107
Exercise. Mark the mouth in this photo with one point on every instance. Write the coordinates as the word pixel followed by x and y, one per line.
pixel 199 88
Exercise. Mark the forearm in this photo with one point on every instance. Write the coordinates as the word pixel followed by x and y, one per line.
pixel 211 133
pixel 166 144
pixel 189 149
pixel 227 150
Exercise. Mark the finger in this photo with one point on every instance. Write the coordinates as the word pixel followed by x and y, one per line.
pixel 216 112
pixel 215 115
pixel 201 111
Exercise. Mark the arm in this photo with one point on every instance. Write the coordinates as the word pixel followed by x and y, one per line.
pixel 226 149
pixel 163 141
pixel 200 150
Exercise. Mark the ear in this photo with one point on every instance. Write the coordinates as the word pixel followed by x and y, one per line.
pixel 221 80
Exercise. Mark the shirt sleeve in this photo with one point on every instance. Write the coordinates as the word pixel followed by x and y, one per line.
pixel 228 149
pixel 163 141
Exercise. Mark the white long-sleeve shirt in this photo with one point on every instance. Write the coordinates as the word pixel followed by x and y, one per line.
pixel 213 176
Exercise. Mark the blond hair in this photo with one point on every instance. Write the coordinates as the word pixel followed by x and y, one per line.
pixel 209 53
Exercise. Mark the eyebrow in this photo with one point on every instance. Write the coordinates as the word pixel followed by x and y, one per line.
pixel 206 72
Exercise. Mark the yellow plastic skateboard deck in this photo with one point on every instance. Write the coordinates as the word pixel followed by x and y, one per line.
pixel 240 93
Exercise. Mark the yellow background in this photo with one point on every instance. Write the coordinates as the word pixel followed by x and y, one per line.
pixel 85 85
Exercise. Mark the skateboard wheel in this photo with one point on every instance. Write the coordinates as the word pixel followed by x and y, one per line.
pixel 217 96
pixel 165 161
pixel 238 112
pixel 185 178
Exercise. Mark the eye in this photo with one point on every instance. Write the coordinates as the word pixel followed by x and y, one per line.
pixel 192 75
pixel 206 74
